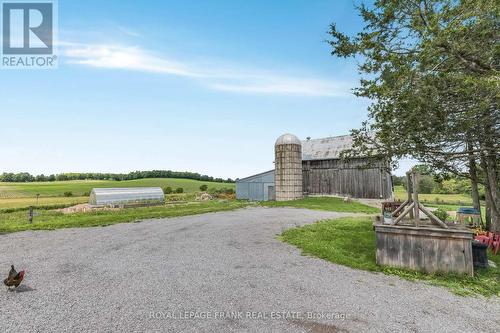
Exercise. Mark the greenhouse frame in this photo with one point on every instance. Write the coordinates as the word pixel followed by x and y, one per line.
pixel 133 196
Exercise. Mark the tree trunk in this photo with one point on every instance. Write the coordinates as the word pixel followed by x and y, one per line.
pixel 473 178
pixel 488 210
pixel 488 163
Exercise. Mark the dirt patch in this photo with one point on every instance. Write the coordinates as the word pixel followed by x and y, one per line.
pixel 83 208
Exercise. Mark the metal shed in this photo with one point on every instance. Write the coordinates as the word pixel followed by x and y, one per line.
pixel 126 196
pixel 258 187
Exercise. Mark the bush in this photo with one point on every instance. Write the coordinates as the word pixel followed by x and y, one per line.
pixel 179 190
pixel 68 194
pixel 441 213
pixel 203 187
pixel 426 184
pixel 86 194
pixel 167 190
pixel 222 193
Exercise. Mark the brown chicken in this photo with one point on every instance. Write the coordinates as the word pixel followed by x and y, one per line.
pixel 14 279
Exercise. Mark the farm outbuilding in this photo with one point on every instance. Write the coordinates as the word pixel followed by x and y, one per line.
pixel 258 187
pixel 315 167
pixel 325 173
pixel 126 196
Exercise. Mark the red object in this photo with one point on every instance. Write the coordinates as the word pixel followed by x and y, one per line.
pixel 485 239
pixel 495 244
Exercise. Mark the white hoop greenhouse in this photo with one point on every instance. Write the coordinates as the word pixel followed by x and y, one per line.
pixel 126 196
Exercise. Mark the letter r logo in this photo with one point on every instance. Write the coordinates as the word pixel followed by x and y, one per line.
pixel 27 27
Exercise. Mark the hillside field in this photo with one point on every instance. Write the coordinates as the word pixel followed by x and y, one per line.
pixel 15 195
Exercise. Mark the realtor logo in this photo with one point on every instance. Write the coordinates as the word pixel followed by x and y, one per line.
pixel 28 33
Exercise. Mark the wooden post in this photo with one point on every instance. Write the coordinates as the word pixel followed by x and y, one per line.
pixel 400 208
pixel 409 209
pixel 433 217
pixel 30 215
pixel 416 207
pixel 409 188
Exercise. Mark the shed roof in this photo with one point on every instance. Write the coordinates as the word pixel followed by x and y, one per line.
pixel 254 176
pixel 326 148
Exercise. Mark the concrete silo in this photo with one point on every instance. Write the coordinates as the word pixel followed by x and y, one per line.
pixel 288 168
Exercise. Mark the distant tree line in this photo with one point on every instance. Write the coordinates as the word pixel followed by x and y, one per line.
pixel 24 177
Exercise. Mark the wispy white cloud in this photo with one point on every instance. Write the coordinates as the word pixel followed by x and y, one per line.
pixel 217 76
pixel 121 57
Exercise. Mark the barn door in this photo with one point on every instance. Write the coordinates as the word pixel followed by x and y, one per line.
pixel 271 193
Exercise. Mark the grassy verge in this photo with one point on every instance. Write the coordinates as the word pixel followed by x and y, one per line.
pixel 351 242
pixel 50 219
pixel 324 203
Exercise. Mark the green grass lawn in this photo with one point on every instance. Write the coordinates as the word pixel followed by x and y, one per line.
pixel 454 199
pixel 351 242
pixel 79 187
pixel 324 203
pixel 52 219
pixel 14 203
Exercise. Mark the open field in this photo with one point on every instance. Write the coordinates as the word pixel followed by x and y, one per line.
pixel 80 187
pixel 351 242
pixel 324 203
pixel 455 199
pixel 53 219
pixel 6 203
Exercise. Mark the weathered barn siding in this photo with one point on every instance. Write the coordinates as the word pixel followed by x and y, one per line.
pixel 428 249
pixel 258 187
pixel 352 178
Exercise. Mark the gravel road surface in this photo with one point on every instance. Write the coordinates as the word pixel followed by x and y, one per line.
pixel 215 272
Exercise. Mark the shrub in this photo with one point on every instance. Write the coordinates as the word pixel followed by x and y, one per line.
pixel 204 187
pixel 222 193
pixel 426 184
pixel 68 194
pixel 441 213
pixel 167 190
pixel 86 194
pixel 179 190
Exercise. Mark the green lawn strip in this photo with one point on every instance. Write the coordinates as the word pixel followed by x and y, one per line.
pixel 351 242
pixel 324 203
pixel 48 220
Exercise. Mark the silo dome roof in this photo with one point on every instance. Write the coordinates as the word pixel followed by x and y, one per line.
pixel 288 139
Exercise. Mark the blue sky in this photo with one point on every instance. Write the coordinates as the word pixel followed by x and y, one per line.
pixel 203 86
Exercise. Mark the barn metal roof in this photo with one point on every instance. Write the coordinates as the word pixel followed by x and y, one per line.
pixel 326 148
pixel 254 176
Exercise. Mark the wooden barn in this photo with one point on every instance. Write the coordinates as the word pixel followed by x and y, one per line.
pixel 323 172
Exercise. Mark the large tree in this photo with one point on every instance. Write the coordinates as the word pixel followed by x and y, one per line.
pixel 432 70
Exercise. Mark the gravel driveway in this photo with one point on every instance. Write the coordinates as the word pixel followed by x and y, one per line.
pixel 216 272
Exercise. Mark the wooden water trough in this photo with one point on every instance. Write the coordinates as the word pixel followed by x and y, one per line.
pixel 424 245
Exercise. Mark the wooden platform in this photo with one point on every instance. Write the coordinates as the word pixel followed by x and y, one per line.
pixel 425 248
